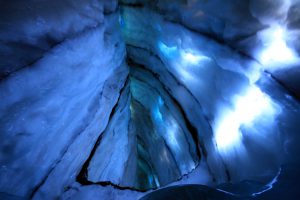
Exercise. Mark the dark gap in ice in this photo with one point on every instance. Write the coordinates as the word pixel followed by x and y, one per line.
pixel 82 176
pixel 147 176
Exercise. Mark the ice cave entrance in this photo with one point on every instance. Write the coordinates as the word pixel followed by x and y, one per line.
pixel 147 134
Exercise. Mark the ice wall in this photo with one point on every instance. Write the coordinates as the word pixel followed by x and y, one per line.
pixel 206 95
pixel 243 116
pixel 266 31
pixel 147 143
pixel 62 67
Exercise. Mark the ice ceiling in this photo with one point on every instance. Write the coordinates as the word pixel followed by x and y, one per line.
pixel 149 99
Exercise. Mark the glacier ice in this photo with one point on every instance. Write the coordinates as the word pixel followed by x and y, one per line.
pixel 116 99
pixel 146 144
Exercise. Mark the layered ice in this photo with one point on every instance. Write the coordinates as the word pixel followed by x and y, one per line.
pixel 240 122
pixel 56 104
pixel 147 143
pixel 204 92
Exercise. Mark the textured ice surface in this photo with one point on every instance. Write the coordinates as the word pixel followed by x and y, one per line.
pixel 241 120
pixel 208 81
pixel 30 29
pixel 64 98
pixel 146 144
pixel 268 31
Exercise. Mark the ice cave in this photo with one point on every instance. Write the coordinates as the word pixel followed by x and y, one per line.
pixel 150 99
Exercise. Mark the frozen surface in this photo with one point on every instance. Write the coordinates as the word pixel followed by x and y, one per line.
pixel 208 96
pixel 146 144
pixel 240 122
pixel 31 28
pixel 268 31
pixel 52 110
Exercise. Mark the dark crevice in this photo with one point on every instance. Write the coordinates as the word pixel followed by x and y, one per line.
pixel 290 91
pixel 227 174
pixel 109 183
pixel 79 132
pixel 82 177
pixel 134 5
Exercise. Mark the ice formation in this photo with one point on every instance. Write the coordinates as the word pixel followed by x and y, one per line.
pixel 142 99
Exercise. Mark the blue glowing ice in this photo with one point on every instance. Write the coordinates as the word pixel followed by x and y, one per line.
pixel 276 53
pixel 193 58
pixel 247 108
pixel 167 51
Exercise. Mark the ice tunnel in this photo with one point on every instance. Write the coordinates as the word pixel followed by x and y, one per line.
pixel 149 99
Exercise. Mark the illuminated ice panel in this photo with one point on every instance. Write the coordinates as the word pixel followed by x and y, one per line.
pixel 276 53
pixel 184 62
pixel 166 125
pixel 247 108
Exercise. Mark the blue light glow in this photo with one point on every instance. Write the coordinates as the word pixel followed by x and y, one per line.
pixel 156 110
pixel 157 114
pixel 160 101
pixel 168 52
pixel 193 58
pixel 276 52
pixel 186 56
pixel 172 137
pixel 246 109
pixel 183 61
